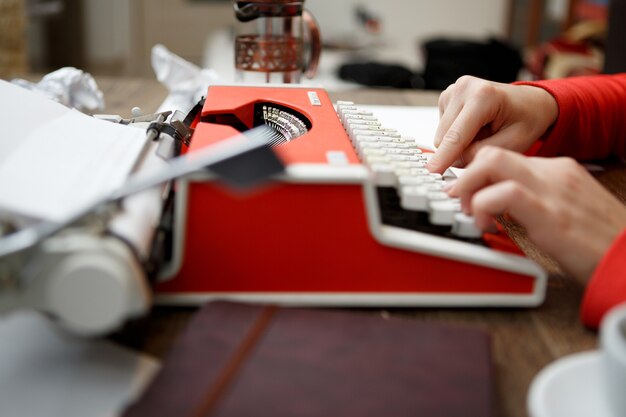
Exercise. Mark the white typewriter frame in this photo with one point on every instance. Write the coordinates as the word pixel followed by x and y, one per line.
pixel 396 237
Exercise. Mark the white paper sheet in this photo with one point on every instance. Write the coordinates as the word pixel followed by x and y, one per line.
pixel 47 373
pixel 19 124
pixel 54 160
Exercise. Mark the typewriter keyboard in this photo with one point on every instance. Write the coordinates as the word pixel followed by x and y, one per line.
pixel 410 196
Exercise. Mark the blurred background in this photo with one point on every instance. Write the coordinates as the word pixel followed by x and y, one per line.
pixel 552 38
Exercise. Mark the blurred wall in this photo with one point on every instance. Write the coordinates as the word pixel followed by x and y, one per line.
pixel 107 34
pixel 415 19
pixel 120 33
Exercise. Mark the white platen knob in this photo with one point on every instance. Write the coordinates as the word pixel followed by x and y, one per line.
pixel 94 292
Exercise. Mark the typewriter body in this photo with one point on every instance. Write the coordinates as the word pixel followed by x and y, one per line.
pixel 322 233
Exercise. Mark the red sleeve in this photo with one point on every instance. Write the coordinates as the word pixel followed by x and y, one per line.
pixel 592 125
pixel 607 286
pixel 592 117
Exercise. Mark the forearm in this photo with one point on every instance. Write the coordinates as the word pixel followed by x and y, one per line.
pixel 592 117
pixel 607 287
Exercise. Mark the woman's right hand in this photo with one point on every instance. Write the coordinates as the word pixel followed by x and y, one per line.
pixel 563 209
pixel 476 113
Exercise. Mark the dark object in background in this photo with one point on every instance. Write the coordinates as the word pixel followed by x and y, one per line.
pixel 447 60
pixel 615 60
pixel 375 74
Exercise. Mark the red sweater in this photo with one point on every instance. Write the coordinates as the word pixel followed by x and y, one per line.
pixel 592 125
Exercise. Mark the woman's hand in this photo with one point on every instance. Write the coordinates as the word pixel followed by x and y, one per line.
pixel 565 211
pixel 476 113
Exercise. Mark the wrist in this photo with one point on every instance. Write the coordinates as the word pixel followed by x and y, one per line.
pixel 549 107
pixel 542 105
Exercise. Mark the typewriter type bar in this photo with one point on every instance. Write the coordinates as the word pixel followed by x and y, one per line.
pixel 337 228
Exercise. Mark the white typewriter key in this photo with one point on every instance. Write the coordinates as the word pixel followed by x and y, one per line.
pixel 401 172
pixel 363 132
pixel 398 145
pixel 415 197
pixel 369 145
pixel 362 146
pixel 390 151
pixel 371 132
pixel 419 180
pixel 464 226
pixel 390 133
pixel 435 176
pixel 418 171
pixel 437 196
pixel 381 129
pixel 380 145
pixel 374 151
pixel 426 179
pixel 361 139
pixel 345 114
pixel 383 175
pixel 358 112
pixel 428 155
pixel 401 139
pixel 383 145
pixel 441 212
pixel 376 159
pixel 397 157
pixel 409 139
pixel 371 138
pixel 435 186
pixel 351 126
pixel 341 113
pixel 411 142
pixel 405 151
pixel 346 118
pixel 406 179
pixel 409 164
pixel 362 122
pixel 388 139
pixel 345 107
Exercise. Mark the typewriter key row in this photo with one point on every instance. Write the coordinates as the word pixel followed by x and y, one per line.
pixel 396 161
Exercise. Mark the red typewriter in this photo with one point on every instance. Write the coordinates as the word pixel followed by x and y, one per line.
pixel 355 220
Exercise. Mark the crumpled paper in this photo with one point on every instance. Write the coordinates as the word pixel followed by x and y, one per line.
pixel 186 82
pixel 69 86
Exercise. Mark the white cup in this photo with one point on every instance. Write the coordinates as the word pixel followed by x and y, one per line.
pixel 613 344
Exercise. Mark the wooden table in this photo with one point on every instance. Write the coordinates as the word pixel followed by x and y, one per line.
pixel 524 340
